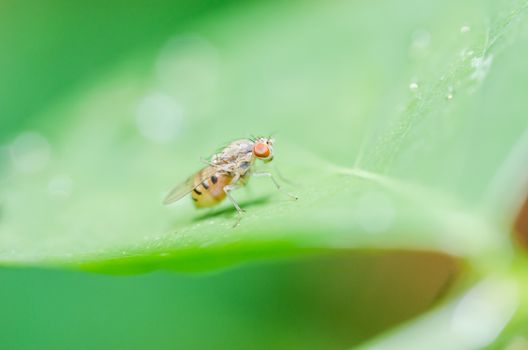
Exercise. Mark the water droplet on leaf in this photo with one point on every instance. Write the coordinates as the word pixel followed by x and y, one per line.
pixel 465 29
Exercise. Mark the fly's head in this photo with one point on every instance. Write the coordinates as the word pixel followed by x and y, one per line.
pixel 263 149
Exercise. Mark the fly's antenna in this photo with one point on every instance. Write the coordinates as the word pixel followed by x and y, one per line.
pixel 271 136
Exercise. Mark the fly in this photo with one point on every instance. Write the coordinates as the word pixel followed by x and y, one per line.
pixel 227 170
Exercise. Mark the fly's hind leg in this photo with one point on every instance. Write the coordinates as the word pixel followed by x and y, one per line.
pixel 277 185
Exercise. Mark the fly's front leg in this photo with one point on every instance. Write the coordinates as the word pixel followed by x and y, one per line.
pixel 277 185
pixel 279 175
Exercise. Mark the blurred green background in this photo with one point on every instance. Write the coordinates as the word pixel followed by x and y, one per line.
pixel 325 303
pixel 401 123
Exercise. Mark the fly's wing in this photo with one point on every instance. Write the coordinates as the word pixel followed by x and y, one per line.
pixel 190 184
pixel 179 191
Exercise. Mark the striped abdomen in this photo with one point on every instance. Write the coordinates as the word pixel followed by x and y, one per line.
pixel 211 190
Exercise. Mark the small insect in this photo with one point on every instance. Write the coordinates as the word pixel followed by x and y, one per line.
pixel 227 170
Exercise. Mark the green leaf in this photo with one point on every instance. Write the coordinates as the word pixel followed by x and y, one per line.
pixel 399 129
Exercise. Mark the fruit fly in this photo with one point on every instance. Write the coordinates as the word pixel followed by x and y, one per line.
pixel 227 170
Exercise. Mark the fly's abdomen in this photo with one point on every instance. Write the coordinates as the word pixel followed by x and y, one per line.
pixel 210 191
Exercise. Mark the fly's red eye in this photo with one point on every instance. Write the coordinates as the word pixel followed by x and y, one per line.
pixel 261 150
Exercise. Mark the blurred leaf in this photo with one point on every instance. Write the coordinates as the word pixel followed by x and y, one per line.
pixel 51 47
pixel 399 129
pixel 316 303
pixel 491 314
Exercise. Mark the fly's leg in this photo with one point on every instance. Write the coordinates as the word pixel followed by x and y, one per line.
pixel 279 188
pixel 279 175
pixel 227 189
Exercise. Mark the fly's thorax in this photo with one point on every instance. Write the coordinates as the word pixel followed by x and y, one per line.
pixel 245 164
pixel 237 157
pixel 234 152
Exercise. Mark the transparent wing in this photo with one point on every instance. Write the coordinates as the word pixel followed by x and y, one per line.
pixel 190 184
pixel 179 191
